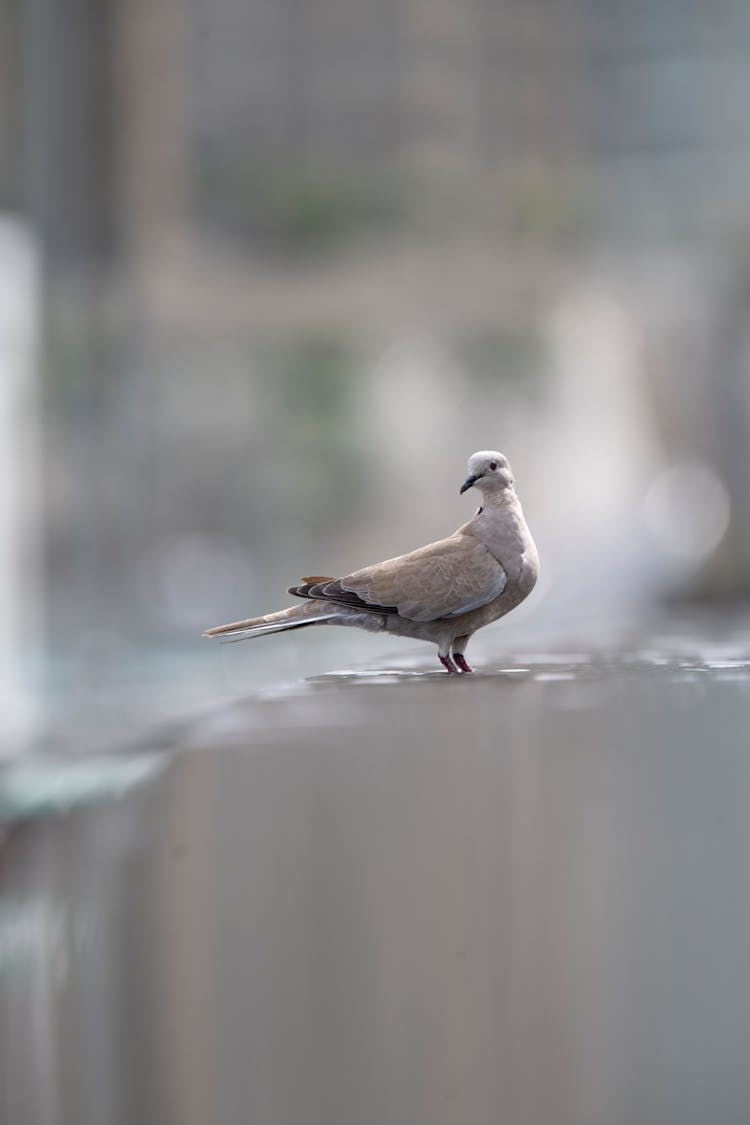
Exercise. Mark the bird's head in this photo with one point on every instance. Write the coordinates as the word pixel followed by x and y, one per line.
pixel 489 471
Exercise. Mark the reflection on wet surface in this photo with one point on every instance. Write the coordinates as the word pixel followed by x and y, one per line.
pixel 392 895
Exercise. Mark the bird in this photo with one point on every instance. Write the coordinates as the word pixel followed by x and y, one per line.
pixel 442 593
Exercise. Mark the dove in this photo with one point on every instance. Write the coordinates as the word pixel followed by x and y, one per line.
pixel 440 593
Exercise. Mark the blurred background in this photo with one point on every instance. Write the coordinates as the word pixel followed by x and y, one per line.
pixel 270 272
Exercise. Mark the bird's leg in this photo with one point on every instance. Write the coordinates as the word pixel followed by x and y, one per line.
pixel 459 645
pixel 447 663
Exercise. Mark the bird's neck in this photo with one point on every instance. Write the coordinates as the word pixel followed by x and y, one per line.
pixel 499 513
pixel 504 500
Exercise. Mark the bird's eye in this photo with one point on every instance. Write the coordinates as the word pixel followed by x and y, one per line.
pixel 493 465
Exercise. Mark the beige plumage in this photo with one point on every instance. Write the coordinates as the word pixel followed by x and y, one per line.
pixel 441 593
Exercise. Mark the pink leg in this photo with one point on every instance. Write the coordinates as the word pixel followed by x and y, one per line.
pixel 462 662
pixel 448 663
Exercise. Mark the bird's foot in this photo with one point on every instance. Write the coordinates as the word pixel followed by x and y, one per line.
pixel 462 662
pixel 448 664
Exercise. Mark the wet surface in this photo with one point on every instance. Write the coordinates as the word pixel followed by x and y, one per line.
pixel 394 896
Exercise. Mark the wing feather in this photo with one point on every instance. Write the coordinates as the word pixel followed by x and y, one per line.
pixel 445 579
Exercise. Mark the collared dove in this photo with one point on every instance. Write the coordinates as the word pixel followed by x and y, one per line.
pixel 441 593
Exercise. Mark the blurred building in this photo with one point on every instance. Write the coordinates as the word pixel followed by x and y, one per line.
pixel 274 124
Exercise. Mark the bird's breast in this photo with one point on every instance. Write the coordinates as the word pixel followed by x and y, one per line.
pixel 505 533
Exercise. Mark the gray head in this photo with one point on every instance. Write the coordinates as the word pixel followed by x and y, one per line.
pixel 489 471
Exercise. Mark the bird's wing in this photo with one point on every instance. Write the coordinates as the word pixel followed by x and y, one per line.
pixel 329 589
pixel 445 579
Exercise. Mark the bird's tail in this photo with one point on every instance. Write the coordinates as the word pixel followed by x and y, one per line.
pixel 296 617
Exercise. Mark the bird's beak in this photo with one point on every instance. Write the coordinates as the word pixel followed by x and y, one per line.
pixel 467 484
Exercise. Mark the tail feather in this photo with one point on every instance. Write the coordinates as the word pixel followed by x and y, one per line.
pixel 296 617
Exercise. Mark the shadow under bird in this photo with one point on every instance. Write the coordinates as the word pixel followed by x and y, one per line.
pixel 441 593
